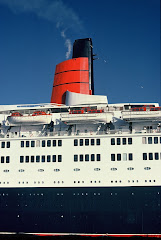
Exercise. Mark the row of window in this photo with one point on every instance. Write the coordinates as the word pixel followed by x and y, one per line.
pixel 5 144
pixel 132 181
pixel 151 140
pixel 77 169
pixel 121 141
pixel 123 156
pixel 151 156
pixel 43 158
pixel 87 142
pixel 87 157
pixel 55 182
pixel 41 170
pixel 34 182
pixel 5 159
pixel 82 142
pixel 42 143
pixel 117 181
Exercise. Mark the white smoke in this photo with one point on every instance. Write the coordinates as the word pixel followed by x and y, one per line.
pixel 68 44
pixel 54 11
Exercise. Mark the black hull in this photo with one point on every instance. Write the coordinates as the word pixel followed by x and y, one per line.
pixel 115 210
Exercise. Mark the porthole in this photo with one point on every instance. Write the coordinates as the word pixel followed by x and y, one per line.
pixel 147 168
pixel 113 169
pixel 76 169
pixel 97 169
pixel 130 168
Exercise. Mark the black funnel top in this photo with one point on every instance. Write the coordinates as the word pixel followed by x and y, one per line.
pixel 84 48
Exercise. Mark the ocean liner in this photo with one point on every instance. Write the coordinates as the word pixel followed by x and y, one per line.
pixel 79 165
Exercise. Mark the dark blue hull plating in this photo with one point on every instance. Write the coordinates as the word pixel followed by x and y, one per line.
pixel 116 210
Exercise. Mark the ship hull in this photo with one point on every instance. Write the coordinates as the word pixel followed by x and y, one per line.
pixel 91 210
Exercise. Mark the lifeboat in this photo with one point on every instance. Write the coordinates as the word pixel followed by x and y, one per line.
pixel 80 117
pixel 37 118
pixel 142 114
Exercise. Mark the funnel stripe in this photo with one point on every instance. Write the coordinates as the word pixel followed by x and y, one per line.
pixel 72 71
pixel 69 83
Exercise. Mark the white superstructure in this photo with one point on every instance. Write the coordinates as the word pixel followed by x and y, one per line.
pixel 119 149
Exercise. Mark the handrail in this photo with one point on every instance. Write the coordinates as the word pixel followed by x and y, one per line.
pixel 68 133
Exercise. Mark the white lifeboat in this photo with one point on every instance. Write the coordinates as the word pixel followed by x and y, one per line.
pixel 37 118
pixel 142 114
pixel 86 117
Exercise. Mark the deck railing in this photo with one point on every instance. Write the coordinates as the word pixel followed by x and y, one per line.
pixel 77 133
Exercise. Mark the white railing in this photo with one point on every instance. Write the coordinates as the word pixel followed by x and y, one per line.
pixel 78 133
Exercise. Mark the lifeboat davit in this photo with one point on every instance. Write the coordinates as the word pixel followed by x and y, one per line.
pixel 37 118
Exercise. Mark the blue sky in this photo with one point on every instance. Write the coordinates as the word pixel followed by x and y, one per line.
pixel 35 35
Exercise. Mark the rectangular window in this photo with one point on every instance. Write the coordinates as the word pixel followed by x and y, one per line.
pixel 2 144
pixel 32 158
pixel 54 158
pixel 32 143
pixel 86 157
pixel 48 158
pixel 75 142
pixel 129 140
pixel 156 156
pixel 130 157
pixel 43 158
pixel 149 140
pixel 8 144
pixel 150 156
pixel 98 141
pixel 98 157
pixel 124 141
pixel 54 143
pixel 22 143
pixel 59 143
pixel 124 156
pixel 27 159
pixel 48 143
pixel 27 143
pixel 155 140
pixel 37 143
pixel 59 158
pixel 86 142
pixel 144 140
pixel 118 141
pixel 112 157
pixel 37 158
pixel 92 142
pixel 112 141
pixel 160 139
pixel 118 157
pixel 144 156
pixel 7 159
pixel 75 158
pixel 21 159
pixel 2 159
pixel 92 157
pixel 43 143
pixel 81 158
pixel 81 142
